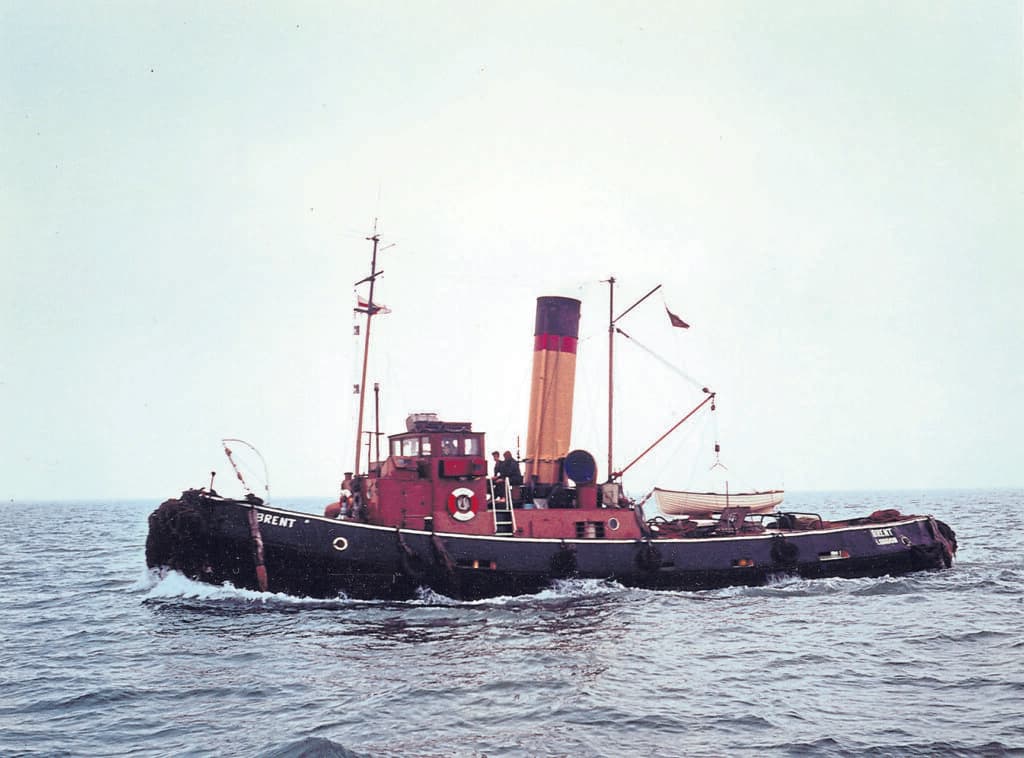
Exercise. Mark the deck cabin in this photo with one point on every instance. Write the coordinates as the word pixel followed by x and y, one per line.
pixel 435 478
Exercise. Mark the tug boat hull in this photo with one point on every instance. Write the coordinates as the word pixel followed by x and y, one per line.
pixel 208 539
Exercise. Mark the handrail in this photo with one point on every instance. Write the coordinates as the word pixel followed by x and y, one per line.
pixel 494 504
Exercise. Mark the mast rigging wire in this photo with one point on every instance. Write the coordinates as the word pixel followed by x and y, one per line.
pixel 664 362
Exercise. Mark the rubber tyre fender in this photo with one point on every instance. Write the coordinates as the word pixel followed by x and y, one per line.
pixel 563 563
pixel 648 557
pixel 784 552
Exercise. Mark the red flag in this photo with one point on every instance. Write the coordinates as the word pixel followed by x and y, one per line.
pixel 675 320
pixel 364 305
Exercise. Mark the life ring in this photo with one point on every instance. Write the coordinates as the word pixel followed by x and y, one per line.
pixel 462 504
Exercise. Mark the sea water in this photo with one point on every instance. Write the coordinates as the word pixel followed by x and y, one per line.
pixel 101 657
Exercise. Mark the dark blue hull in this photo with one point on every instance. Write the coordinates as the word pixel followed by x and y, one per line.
pixel 209 539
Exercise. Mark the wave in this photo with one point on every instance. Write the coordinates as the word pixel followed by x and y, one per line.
pixel 170 585
pixel 161 585
pixel 311 747
pixel 831 747
pixel 783 585
pixel 560 590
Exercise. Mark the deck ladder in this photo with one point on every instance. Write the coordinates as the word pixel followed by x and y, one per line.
pixel 504 516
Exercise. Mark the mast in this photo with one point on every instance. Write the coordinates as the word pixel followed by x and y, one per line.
pixel 611 369
pixel 370 310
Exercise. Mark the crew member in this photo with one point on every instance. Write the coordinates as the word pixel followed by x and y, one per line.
pixel 511 471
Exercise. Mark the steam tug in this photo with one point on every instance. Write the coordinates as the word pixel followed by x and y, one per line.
pixel 427 516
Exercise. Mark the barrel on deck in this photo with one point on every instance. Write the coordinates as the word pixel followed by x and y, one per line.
pixel 551 389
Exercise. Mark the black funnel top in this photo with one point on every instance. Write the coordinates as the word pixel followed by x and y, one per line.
pixel 557 315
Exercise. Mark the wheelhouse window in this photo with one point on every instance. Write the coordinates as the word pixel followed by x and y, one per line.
pixel 411 447
pixel 452 445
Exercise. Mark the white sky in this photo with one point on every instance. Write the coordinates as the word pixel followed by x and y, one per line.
pixel 831 193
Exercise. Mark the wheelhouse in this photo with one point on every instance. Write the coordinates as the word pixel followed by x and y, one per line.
pixel 438 449
pixel 416 445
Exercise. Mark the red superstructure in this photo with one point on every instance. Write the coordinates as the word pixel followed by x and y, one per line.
pixel 435 479
pixel 435 475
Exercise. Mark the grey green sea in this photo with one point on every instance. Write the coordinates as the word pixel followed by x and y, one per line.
pixel 102 657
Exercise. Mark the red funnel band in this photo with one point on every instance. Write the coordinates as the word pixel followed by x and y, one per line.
pixel 554 342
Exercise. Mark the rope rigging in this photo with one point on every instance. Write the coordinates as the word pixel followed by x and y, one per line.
pixel 663 361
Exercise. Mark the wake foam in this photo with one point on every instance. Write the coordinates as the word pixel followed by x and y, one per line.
pixel 560 590
pixel 787 585
pixel 170 585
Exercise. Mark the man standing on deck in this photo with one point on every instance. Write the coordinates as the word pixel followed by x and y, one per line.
pixel 510 470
